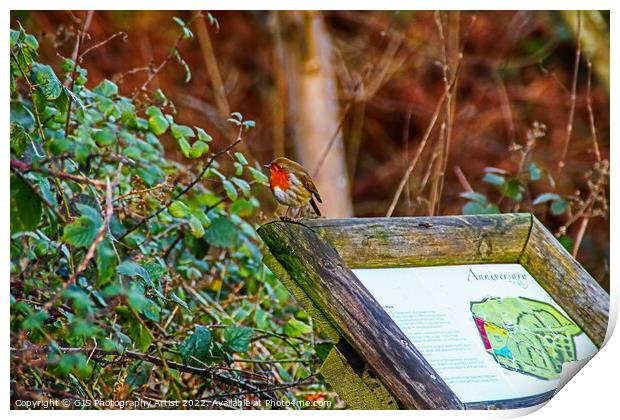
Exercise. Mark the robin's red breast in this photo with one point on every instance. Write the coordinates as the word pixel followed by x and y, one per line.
pixel 291 185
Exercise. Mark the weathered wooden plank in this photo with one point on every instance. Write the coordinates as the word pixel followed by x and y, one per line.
pixel 567 282
pixel 364 391
pixel 425 241
pixel 359 390
pixel 327 280
pixel 318 318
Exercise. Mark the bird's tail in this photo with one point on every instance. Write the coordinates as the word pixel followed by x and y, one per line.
pixel 315 207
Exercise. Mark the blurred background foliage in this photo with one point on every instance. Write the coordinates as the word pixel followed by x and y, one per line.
pixel 400 113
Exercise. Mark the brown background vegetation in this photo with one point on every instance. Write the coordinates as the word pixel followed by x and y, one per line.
pixel 517 69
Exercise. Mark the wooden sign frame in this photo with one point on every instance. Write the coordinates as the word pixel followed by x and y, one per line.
pixel 371 363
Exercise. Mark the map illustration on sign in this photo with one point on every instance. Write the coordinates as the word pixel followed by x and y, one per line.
pixel 526 335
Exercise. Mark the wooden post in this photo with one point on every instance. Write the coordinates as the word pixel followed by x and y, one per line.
pixel 325 277
pixel 567 282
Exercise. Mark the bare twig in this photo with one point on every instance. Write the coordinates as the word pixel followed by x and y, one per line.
pixel 573 101
pixel 581 231
pixel 451 97
pixel 597 151
pixel 75 57
pixel 102 43
pixel 462 179
pixel 27 167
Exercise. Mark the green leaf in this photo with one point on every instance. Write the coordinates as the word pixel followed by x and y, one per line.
pixel 136 298
pixel 151 311
pixel 258 176
pixel 231 192
pixel 181 131
pixel 153 111
pixel 196 227
pixel 178 209
pixel 106 88
pixel 543 198
pixel 132 269
pixel 35 320
pixel 83 231
pixel 43 75
pixel 104 137
pixel 197 346
pixel 238 338
pixel 158 125
pixel 202 135
pixel 179 21
pixel 198 149
pixel 139 335
pixel 184 146
pixel 493 179
pixel 60 146
pixel 242 185
pixel 493 170
pixel 559 207
pixel 106 261
pixel 474 196
pixel 221 233
pixel 534 172
pixel 567 242
pixel 474 207
pixel 178 300
pixel 19 139
pixel 295 328
pixel 241 158
pixel 513 189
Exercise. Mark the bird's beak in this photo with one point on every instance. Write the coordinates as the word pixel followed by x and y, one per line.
pixel 266 166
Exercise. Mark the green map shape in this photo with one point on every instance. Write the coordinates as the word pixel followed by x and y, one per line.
pixel 526 335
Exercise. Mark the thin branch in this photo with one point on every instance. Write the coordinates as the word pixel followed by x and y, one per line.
pixel 573 101
pixel 27 167
pixel 462 179
pixel 581 232
pixel 205 372
pixel 102 43
pixel 75 56
pixel 597 151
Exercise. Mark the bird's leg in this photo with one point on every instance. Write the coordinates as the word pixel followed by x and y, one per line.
pixel 285 217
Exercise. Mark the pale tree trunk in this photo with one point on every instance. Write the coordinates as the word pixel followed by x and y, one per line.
pixel 313 108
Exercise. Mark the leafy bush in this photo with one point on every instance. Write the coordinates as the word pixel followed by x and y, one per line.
pixel 515 187
pixel 133 275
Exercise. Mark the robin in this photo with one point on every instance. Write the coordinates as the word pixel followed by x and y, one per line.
pixel 291 185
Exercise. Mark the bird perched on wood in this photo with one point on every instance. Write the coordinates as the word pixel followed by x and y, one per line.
pixel 291 185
